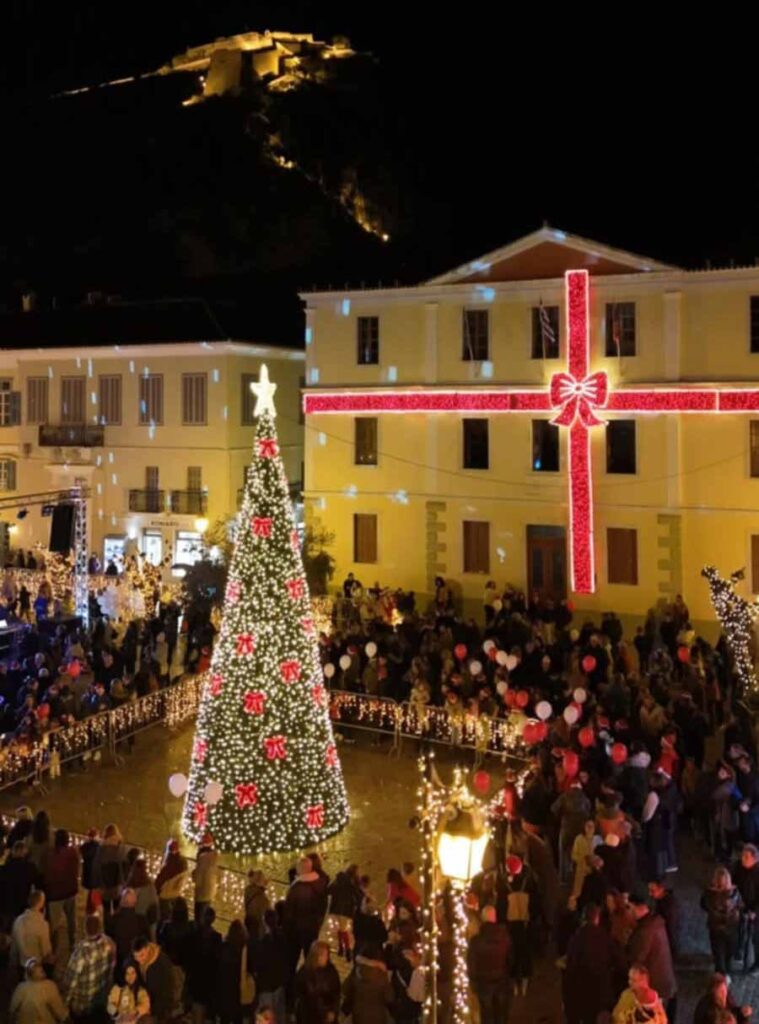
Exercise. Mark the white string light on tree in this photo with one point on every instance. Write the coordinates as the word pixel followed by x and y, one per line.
pixel 736 616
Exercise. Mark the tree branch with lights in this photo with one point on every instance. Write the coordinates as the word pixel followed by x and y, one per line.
pixel 736 616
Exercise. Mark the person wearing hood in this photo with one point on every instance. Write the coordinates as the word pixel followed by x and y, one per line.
pixel 368 991
pixel 317 988
pixel 171 878
pixel 639 1004
pixel 304 910
pixel 489 960
pixel 206 875
pixel 158 977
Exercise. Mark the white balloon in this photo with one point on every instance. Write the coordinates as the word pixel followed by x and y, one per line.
pixel 502 687
pixel 502 657
pixel 543 710
pixel 580 695
pixel 345 662
pixel 488 646
pixel 213 793
pixel 475 667
pixel 511 662
pixel 177 784
pixel 371 649
pixel 329 670
pixel 571 715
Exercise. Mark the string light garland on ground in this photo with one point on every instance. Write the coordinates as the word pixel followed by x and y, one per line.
pixel 266 742
pixel 736 616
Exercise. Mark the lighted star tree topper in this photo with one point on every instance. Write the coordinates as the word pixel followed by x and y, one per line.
pixel 265 774
pixel 736 616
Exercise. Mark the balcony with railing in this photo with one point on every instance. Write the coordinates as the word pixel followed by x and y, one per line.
pixel 78 435
pixel 147 501
pixel 188 503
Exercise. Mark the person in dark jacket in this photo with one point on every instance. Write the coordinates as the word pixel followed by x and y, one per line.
pixel 746 878
pixel 203 957
pixel 596 885
pixel 158 977
pixel 368 926
pixel 18 877
pixel 595 968
pixel 88 849
pixel 174 935
pixel 60 879
pixel 367 991
pixel 229 1001
pixel 722 903
pixel 317 988
pixel 489 959
pixel 716 1000
pixel 126 925
pixel 344 900
pixel 268 959
pixel 666 905
pixel 304 910
pixel 649 945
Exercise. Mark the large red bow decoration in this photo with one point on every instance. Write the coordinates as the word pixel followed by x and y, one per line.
pixel 308 626
pixel 319 694
pixel 315 816
pixel 246 643
pixel 254 702
pixel 578 398
pixel 261 526
pixel 295 588
pixel 216 683
pixel 246 794
pixel 331 756
pixel 275 748
pixel 200 814
pixel 267 448
pixel 290 671
pixel 201 747
pixel 233 591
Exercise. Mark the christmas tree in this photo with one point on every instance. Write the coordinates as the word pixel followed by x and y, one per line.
pixel 265 775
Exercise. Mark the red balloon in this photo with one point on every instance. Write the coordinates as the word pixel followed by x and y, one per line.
pixel 74 669
pixel 540 730
pixel 571 763
pixel 683 654
pixel 588 663
pixel 460 651
pixel 528 734
pixel 481 780
pixel 522 698
pixel 586 736
pixel 619 753
pixel 510 697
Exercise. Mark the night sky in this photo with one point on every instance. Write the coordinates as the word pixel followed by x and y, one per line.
pixel 613 126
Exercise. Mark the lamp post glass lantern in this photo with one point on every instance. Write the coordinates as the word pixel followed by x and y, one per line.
pixel 461 846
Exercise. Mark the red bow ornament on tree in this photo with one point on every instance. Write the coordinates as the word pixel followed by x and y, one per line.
pixel 246 643
pixel 246 794
pixel 308 626
pixel 294 540
pixel 254 702
pixel 295 588
pixel 315 816
pixel 290 671
pixel 318 694
pixel 578 398
pixel 216 684
pixel 267 448
pixel 275 748
pixel 200 814
pixel 261 526
pixel 233 591
pixel 201 748
pixel 331 756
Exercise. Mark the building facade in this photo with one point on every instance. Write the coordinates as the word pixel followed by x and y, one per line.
pixel 441 422
pixel 161 434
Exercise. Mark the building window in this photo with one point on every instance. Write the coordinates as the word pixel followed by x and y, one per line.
pixel 152 546
pixel 754 436
pixel 475 341
pixel 110 399
pixel 622 549
pixel 364 537
pixel 189 548
pixel 620 328
pixel 367 337
pixel 248 399
pixel 545 332
pixel 10 404
pixel 620 446
pixel 755 323
pixel 151 478
pixel 7 474
pixel 113 550
pixel 37 390
pixel 151 399
pixel 72 399
pixel 476 454
pixel 476 546
pixel 194 399
pixel 545 446
pixel 365 440
pixel 194 478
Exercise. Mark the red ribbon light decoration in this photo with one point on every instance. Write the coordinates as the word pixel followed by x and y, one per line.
pixel 579 398
pixel 275 748
pixel 295 589
pixel 290 671
pixel 246 794
pixel 217 681
pixel 331 756
pixel 315 816
pixel 267 448
pixel 253 702
pixel 200 815
pixel 200 751
pixel 233 591
pixel 319 695
pixel 261 526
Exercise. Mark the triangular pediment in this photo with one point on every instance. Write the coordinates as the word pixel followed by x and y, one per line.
pixel 549 253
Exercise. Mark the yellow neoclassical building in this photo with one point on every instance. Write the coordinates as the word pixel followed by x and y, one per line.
pixel 160 432
pixel 482 426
